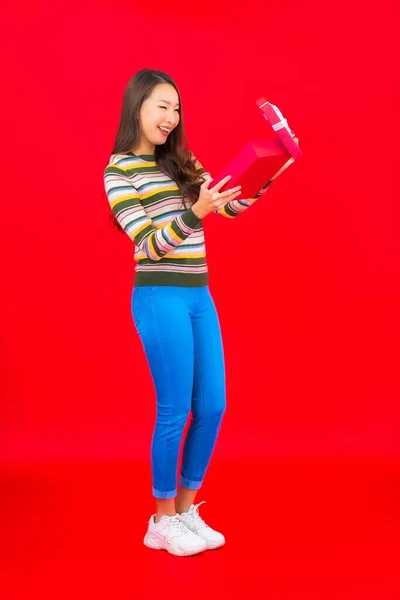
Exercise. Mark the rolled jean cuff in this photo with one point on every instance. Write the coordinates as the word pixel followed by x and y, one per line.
pixel 164 495
pixel 189 484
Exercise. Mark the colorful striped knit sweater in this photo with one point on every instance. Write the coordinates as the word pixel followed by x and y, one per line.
pixel 168 238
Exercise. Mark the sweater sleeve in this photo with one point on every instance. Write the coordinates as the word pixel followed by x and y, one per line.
pixel 232 209
pixel 127 208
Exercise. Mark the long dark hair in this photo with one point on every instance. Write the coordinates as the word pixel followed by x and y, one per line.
pixel 174 156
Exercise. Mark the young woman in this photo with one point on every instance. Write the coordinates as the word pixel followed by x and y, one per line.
pixel 159 194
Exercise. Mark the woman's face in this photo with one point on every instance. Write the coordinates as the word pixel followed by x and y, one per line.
pixel 159 115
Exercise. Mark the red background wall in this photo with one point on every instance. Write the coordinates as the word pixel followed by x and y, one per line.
pixel 307 295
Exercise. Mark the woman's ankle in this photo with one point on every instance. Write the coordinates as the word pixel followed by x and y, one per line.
pixel 165 507
pixel 182 508
pixel 160 515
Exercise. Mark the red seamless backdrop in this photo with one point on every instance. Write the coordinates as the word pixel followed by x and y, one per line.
pixel 306 293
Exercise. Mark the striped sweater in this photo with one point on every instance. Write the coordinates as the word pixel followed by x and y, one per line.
pixel 168 238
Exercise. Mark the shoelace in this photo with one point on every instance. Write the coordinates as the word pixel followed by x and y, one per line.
pixel 194 517
pixel 177 525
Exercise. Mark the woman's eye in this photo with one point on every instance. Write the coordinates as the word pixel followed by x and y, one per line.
pixel 176 110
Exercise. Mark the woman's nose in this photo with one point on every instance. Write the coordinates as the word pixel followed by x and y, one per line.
pixel 172 118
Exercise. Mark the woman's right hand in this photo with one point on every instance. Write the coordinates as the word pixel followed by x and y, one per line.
pixel 210 199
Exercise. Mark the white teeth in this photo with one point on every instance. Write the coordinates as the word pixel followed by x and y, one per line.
pixel 163 129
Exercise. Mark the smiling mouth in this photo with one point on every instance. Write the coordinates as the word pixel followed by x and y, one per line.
pixel 164 130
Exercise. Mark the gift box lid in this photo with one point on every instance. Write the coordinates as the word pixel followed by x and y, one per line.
pixel 279 124
pixel 256 164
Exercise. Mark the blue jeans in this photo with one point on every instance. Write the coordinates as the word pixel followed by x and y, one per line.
pixel 181 337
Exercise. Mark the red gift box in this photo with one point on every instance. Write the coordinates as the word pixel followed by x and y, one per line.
pixel 261 161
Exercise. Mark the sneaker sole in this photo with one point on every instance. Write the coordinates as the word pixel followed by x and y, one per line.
pixel 156 544
pixel 215 545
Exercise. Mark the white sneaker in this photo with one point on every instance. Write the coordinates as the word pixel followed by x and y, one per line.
pixel 172 535
pixel 195 523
